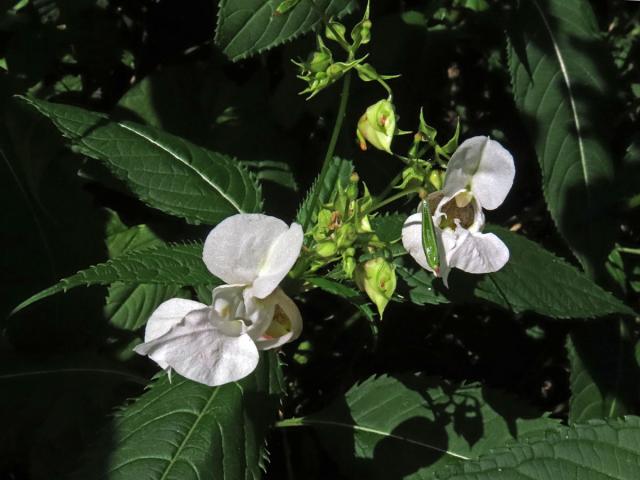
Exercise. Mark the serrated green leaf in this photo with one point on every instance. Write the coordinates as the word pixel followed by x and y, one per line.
pixel 164 171
pixel 533 280
pixel 179 265
pixel 604 371
pixel 422 290
pixel 185 430
pixel 270 171
pixel 338 172
pixel 536 280
pixel 592 451
pixel 388 227
pixel 247 27
pixel 561 83
pixel 410 426
pixel 129 305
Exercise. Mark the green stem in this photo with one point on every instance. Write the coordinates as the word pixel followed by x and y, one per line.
pixel 393 198
pixel 290 422
pixel 634 251
pixel 389 187
pixel 342 109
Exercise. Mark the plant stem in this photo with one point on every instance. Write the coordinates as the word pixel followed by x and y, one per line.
pixel 342 109
pixel 389 187
pixel 633 251
pixel 290 422
pixel 393 198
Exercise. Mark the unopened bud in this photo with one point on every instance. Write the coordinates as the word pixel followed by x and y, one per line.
pixel 377 126
pixel 326 248
pixel 377 277
pixel 346 235
pixel 435 178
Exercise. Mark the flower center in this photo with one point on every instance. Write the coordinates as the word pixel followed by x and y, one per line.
pixel 458 208
pixel 280 325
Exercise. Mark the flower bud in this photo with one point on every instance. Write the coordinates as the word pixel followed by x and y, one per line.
pixel 377 277
pixel 377 126
pixel 346 235
pixel 348 262
pixel 436 179
pixel 326 248
pixel 352 188
pixel 319 62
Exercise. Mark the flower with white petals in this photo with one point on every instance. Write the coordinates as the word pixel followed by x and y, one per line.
pixel 479 176
pixel 218 344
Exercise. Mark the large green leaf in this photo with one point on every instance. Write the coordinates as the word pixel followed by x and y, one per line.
pixel 410 426
pixel 536 280
pixel 129 305
pixel 165 171
pixel 559 68
pixel 247 27
pixel 604 372
pixel 593 451
pixel 338 172
pixel 184 430
pixel 179 265
pixel 532 280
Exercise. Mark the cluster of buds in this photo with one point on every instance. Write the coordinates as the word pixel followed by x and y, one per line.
pixel 343 225
pixel 320 71
pixel 342 232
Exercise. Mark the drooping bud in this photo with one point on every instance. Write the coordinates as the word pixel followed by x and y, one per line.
pixel 348 262
pixel 377 126
pixel 436 179
pixel 377 277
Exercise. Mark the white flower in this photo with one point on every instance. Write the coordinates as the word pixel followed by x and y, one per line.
pixel 479 175
pixel 218 344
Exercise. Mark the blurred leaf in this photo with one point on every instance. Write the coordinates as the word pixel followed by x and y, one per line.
pixel 591 451
pixel 129 305
pixel 166 172
pixel 271 171
pixel 179 265
pixel 338 173
pixel 51 407
pixel 247 27
pixel 186 430
pixel 560 70
pixel 350 294
pixel 604 372
pixel 410 426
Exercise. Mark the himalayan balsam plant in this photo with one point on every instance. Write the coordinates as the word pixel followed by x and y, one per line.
pixel 347 287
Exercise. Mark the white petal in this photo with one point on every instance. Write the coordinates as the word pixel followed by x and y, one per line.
pixel 197 350
pixel 294 326
pixel 280 259
pixel 252 248
pixel 480 253
pixel 483 166
pixel 167 315
pixel 412 240
pixel 237 247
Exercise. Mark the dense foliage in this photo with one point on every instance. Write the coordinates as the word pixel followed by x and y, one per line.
pixel 133 133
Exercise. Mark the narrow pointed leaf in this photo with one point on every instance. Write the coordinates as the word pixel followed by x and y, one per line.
pixel 179 265
pixel 560 70
pixel 165 171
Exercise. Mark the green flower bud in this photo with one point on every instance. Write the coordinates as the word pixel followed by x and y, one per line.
pixel 365 225
pixel 346 235
pixel 436 178
pixel 348 264
pixel 352 188
pixel 377 126
pixel 326 248
pixel 319 62
pixel 335 31
pixel 377 277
